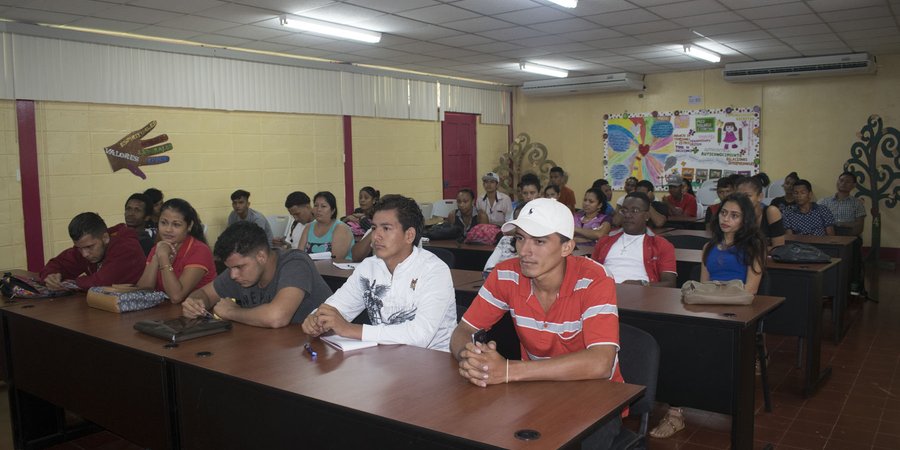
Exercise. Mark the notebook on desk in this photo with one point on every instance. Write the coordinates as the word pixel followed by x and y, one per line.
pixel 346 344
pixel 182 328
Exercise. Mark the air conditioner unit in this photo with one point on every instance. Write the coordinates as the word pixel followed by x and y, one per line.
pixel 585 85
pixel 817 66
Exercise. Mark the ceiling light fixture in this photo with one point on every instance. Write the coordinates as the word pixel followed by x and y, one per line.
pixel 543 70
pixel 566 3
pixel 331 29
pixel 699 53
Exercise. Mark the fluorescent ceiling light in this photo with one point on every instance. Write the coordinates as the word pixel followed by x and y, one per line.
pixel 699 53
pixel 331 29
pixel 566 3
pixel 543 70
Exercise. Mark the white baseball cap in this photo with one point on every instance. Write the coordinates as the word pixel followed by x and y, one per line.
pixel 491 176
pixel 543 217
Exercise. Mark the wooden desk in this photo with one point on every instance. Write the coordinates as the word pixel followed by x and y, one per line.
pixel 685 222
pixel 382 397
pixel 801 314
pixel 468 256
pixel 257 388
pixel 336 277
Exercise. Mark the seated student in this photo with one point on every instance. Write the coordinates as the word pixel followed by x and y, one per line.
pixel 407 292
pixel 559 178
pixel 724 188
pixel 849 212
pixel 805 216
pixel 687 187
pixel 466 215
pixel 630 185
pixel 768 218
pixel 298 206
pixel 571 297
pixel 326 233
pixel 494 203
pixel 261 286
pixel 680 203
pixel 181 261
pixel 736 251
pixel 604 186
pixel 100 257
pixel 240 202
pixel 156 198
pixel 360 220
pixel 138 210
pixel 591 223
pixel 633 254
pixel 788 198
pixel 530 187
pixel 551 191
pixel 505 248
pixel 659 211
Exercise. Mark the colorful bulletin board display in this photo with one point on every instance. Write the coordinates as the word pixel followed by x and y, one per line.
pixel 700 145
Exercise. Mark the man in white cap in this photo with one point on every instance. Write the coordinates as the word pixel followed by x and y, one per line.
pixel 497 205
pixel 680 203
pixel 563 307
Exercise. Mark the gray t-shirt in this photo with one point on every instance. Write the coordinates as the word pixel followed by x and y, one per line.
pixel 293 269
pixel 255 217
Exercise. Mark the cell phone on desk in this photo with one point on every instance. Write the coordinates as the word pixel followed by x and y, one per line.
pixel 479 336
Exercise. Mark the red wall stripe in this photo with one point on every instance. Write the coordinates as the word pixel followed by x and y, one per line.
pixel 31 190
pixel 349 194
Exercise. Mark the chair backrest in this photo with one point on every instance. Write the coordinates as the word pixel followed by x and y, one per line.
pixel 442 208
pixel 427 210
pixel 687 241
pixel 446 255
pixel 706 193
pixel 278 224
pixel 775 189
pixel 639 363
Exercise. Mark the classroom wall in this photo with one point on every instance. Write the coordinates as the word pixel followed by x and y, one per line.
pixel 808 125
pixel 216 152
pixel 12 231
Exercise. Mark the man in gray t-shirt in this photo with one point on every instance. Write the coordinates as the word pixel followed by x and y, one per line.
pixel 269 288
pixel 240 202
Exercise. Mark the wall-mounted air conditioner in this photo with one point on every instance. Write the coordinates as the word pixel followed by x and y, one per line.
pixel 816 66
pixel 585 85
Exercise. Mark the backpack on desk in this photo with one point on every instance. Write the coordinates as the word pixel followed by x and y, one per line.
pixel 14 286
pixel 484 233
pixel 799 253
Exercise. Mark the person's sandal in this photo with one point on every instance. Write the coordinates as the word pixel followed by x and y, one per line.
pixel 670 424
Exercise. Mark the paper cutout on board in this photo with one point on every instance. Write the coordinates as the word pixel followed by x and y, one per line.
pixel 699 145
pixel 131 152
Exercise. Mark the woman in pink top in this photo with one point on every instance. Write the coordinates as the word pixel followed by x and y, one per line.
pixel 181 261
pixel 590 223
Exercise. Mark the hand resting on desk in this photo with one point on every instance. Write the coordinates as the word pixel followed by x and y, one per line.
pixel 482 365
pixel 328 318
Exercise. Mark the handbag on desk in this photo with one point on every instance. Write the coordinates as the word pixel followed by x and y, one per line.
pixel 715 293
pixel 14 286
pixel 182 328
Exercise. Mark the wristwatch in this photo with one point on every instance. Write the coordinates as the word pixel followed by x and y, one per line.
pixel 645 283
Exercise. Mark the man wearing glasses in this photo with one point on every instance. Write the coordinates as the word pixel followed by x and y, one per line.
pixel 633 254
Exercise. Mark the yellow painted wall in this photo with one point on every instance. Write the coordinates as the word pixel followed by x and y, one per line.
pixel 493 141
pixel 216 152
pixel 808 125
pixel 12 231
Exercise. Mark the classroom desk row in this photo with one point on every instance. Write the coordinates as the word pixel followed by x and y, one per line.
pixel 257 388
pixel 707 352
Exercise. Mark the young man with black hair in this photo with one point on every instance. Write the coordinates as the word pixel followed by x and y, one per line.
pixel 261 286
pixel 495 204
pixel 138 210
pixel 299 207
pixel 806 216
pixel 633 254
pixel 566 194
pixel 240 202
pixel 101 256
pixel 406 291
pixel 658 213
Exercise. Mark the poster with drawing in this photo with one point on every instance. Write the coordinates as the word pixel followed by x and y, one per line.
pixel 699 145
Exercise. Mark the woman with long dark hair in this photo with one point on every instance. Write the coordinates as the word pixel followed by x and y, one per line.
pixel 181 261
pixel 737 249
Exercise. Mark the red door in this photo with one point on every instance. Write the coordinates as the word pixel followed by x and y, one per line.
pixel 458 153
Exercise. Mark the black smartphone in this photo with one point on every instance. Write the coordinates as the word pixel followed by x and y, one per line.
pixel 479 336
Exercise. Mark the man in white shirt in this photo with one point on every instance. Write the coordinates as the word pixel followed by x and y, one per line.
pixel 406 291
pixel 497 205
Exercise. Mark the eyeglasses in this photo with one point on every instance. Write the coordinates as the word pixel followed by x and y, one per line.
pixel 631 212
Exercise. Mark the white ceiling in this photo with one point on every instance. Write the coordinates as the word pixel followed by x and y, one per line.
pixel 485 39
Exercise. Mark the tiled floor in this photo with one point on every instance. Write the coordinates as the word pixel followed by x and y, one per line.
pixel 857 408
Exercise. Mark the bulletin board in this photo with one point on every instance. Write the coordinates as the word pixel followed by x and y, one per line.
pixel 699 145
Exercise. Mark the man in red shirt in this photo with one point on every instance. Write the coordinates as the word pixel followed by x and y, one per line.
pixel 100 256
pixel 566 194
pixel 633 254
pixel 680 203
pixel 563 306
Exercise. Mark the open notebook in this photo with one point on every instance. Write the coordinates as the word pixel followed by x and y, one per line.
pixel 347 344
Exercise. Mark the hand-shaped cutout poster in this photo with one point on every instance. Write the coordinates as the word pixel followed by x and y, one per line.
pixel 131 152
